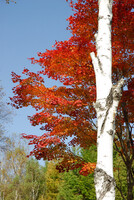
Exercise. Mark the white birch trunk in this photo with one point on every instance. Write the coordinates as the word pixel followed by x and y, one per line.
pixel 108 97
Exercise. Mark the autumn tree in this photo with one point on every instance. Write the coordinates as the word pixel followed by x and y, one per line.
pixel 84 66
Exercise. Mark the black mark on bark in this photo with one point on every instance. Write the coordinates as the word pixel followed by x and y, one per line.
pixel 108 182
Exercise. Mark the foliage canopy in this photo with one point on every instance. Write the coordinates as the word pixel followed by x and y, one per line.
pixel 67 111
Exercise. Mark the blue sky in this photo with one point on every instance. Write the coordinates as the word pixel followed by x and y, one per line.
pixel 28 27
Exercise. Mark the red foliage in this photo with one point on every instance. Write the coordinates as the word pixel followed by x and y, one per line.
pixel 67 111
pixel 87 168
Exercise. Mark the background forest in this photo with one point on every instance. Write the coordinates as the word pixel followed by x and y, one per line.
pixel 23 178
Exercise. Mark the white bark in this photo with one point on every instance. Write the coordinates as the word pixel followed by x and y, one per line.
pixel 108 97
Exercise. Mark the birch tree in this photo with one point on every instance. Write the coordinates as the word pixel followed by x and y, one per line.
pixel 108 97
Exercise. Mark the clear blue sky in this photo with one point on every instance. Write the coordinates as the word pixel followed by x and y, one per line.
pixel 27 27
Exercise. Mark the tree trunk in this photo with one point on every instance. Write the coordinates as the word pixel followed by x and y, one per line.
pixel 129 184
pixel 129 156
pixel 16 195
pixel 108 97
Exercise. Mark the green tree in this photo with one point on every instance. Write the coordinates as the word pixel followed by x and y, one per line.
pixel 76 186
